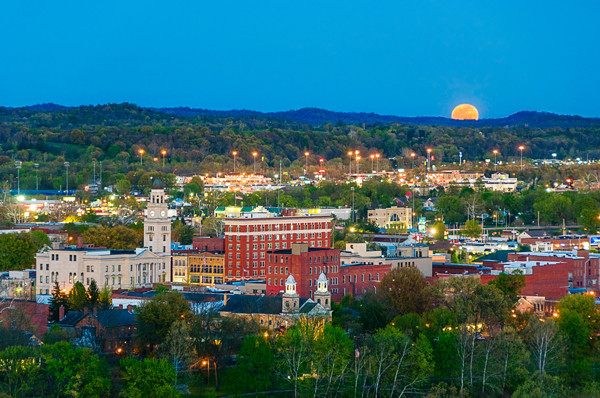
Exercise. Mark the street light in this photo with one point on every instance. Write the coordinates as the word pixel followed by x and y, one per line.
pixel 67 168
pixel 357 164
pixel 428 158
pixel 254 154
pixel 163 152
pixel 353 217
pixel 350 166
pixel 306 167
pixel 18 165
pixel 412 155
pixel 372 158
pixel 356 157
pixel 495 158
pixel 521 149
pixel 37 166
pixel 234 155
pixel 377 157
pixel 141 157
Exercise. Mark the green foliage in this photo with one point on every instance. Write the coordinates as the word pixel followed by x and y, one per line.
pixel 93 294
pixel 105 299
pixel 59 299
pixel 156 316
pixel 77 297
pixel 118 238
pixel 182 233
pixel 254 365
pixel 149 378
pixel 472 229
pixel 17 250
pixel 403 291
pixel 440 230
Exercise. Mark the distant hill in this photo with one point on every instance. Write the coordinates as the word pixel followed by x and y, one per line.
pixel 318 117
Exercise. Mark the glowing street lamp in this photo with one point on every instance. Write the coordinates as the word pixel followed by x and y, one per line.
pixel 521 149
pixel 141 157
pixel 377 157
pixel 306 167
pixel 254 154
pixel 495 151
pixel 234 155
pixel 357 164
pixel 428 158
pixel 18 165
pixel 163 152
pixel 350 166
pixel 412 155
pixel 357 158
pixel 372 158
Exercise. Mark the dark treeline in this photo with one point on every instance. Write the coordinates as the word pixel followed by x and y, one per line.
pixel 115 133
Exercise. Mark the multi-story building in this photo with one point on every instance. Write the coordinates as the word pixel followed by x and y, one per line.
pixel 115 269
pixel 406 256
pixel 384 218
pixel 247 241
pixel 18 284
pixel 306 264
pixel 206 268
pixel 179 266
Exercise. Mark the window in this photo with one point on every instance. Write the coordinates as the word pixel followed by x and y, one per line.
pixel 47 267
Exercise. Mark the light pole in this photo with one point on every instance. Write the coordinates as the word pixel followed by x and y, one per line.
pixel 350 165
pixel 306 167
pixel 18 165
pixel 353 217
pixel 412 155
pixel 67 172
pixel 357 158
pixel 372 158
pixel 141 157
pixel 521 149
pixel 428 159
pixel 37 166
pixel 94 172
pixel 101 174
pixel 254 154
pixel 495 158
pixel 357 164
pixel 163 152
pixel 234 155
pixel 377 157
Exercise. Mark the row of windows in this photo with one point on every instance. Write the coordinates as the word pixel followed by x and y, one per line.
pixel 164 238
pixel 254 264
pixel 362 278
pixel 326 269
pixel 280 227
pixel 208 269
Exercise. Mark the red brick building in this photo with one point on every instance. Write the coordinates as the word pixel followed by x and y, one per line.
pixel 207 244
pixel 359 278
pixel 305 264
pixel 247 241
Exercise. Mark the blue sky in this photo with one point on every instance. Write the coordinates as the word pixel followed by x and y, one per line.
pixel 408 58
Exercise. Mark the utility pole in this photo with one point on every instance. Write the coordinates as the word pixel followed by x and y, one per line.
pixel 100 174
pixel 353 216
pixel 94 172
pixel 37 166
pixel 18 165
pixel 67 173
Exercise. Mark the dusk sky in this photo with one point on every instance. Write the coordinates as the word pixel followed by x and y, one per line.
pixel 407 58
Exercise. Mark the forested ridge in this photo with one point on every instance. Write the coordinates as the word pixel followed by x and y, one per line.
pixel 114 133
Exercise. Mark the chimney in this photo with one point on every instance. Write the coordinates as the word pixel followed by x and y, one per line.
pixel 61 312
pixel 120 306
pixel 96 311
pixel 80 242
pixel 85 310
pixel 130 309
pixel 224 299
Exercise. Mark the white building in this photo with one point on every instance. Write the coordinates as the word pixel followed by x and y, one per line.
pixel 115 269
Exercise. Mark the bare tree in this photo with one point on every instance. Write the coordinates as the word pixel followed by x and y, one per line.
pixel 178 347
pixel 214 226
pixel 545 343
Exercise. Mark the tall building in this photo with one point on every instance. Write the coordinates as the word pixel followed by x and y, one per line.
pixel 247 241
pixel 157 225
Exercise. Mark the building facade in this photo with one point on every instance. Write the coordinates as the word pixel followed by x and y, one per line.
pixel 157 225
pixel 207 269
pixel 394 215
pixel 247 241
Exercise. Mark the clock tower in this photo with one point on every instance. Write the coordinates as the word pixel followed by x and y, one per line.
pixel 157 225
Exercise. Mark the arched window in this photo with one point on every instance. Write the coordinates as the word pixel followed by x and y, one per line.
pixel 394 218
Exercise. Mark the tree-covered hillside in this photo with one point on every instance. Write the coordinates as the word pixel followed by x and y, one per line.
pixel 114 134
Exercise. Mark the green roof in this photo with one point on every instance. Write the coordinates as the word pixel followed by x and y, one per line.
pixel 500 255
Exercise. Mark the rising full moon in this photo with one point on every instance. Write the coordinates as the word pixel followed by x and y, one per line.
pixel 465 112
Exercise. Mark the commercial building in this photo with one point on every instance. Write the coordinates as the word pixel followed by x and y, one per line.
pixel 179 266
pixel 416 255
pixel 18 284
pixel 207 269
pixel 306 264
pixel 247 241
pixel 384 218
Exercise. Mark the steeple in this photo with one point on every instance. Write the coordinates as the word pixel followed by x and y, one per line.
pixel 157 224
pixel 291 300
pixel 322 295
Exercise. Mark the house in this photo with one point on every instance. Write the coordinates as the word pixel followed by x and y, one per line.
pixel 279 313
pixel 106 331
pixel 429 204
pixel 401 216
pixel 534 234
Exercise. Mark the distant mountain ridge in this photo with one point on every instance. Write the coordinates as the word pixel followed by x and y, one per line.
pixel 317 117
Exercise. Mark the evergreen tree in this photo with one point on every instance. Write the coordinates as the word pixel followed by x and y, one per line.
pixel 93 294
pixel 105 299
pixel 59 299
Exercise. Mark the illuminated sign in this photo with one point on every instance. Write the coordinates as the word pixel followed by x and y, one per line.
pixel 594 241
